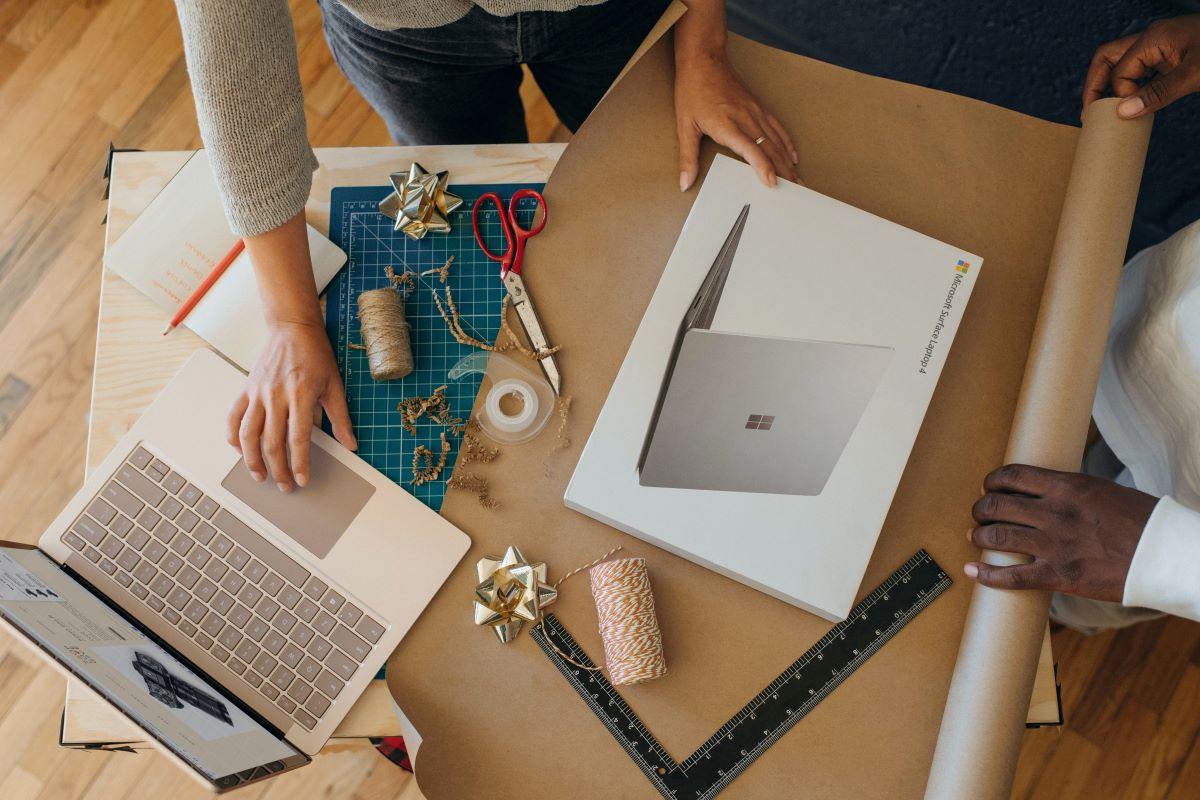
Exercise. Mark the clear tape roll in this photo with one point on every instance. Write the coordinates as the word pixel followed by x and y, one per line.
pixel 502 377
pixel 511 423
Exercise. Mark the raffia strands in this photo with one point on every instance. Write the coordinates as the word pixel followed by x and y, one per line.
pixel 633 650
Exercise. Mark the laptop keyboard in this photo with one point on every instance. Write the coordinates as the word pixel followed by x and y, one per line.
pixel 287 633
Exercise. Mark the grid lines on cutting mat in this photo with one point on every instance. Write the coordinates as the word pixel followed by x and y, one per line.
pixel 372 244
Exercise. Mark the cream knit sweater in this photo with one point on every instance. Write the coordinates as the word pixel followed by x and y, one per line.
pixel 241 56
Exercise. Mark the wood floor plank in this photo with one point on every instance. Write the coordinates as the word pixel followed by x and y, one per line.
pixel 31 78
pixel 118 774
pixel 350 115
pixel 67 777
pixel 50 119
pixel 1067 771
pixel 79 172
pixel 64 468
pixel 43 692
pixel 14 393
pixel 77 269
pixel 42 755
pixel 1100 704
pixel 16 239
pixel 20 785
pixel 1036 751
pixel 11 57
pixel 36 22
pixel 175 128
pixel 16 673
pixel 166 92
pixel 1186 782
pixel 53 240
pixel 156 59
pixel 36 443
pixel 1112 774
pixel 162 779
pixel 324 86
pixel 1156 683
pixel 11 12
pixel 371 133
pixel 1160 758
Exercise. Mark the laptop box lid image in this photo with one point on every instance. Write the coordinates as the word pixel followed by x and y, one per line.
pixel 775 419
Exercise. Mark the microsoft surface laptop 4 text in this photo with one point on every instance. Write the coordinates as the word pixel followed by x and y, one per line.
pixel 744 413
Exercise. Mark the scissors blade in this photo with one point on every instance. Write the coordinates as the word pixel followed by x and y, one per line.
pixel 533 328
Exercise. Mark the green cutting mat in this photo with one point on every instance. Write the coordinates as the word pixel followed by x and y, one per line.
pixel 371 245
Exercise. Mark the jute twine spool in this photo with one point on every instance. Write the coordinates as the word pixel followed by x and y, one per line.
pixel 385 334
pixel 633 650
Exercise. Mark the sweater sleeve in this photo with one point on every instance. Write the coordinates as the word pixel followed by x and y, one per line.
pixel 1165 571
pixel 241 57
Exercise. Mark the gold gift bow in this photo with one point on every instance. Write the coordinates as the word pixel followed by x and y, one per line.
pixel 520 593
pixel 419 201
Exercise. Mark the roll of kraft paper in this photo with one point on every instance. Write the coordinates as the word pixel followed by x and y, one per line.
pixel 980 737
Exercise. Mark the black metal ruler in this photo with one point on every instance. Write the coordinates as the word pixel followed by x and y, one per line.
pixel 783 703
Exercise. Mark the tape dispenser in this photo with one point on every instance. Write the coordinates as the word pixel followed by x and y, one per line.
pixel 517 401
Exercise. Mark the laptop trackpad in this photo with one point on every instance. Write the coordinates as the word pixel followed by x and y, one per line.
pixel 317 515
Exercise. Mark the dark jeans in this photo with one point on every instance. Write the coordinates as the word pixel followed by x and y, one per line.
pixel 458 83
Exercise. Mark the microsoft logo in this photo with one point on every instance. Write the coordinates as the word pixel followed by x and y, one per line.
pixel 962 266
pixel 759 422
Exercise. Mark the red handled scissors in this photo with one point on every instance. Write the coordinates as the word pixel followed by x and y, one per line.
pixel 511 260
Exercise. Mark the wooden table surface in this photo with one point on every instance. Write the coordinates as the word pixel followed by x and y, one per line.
pixel 133 361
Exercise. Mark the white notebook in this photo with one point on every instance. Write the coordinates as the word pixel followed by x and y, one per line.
pixel 175 243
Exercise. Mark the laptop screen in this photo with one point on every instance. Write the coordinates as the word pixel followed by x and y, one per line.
pixel 170 701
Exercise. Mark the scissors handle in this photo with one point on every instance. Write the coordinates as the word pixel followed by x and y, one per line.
pixel 522 234
pixel 514 234
pixel 517 197
pixel 504 258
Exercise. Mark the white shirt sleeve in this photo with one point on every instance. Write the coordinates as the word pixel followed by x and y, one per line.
pixel 1165 571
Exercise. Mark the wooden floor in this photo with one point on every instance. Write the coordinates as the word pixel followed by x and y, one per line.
pixel 77 74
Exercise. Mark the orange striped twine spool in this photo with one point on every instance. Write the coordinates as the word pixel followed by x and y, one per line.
pixel 633 650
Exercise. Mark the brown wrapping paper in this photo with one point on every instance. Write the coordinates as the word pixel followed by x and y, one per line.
pixel 980 736
pixel 499 720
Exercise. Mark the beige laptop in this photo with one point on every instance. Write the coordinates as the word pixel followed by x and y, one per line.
pixel 236 625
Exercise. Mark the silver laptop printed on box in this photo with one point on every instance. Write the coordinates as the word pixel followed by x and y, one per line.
pixel 744 413
pixel 235 625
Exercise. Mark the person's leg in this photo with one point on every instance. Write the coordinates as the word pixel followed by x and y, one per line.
pixel 575 55
pixel 455 84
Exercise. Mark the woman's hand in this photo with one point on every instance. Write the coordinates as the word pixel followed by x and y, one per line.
pixel 1080 530
pixel 271 422
pixel 1150 70
pixel 711 101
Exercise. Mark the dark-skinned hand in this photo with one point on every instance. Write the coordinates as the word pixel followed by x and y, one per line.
pixel 1150 69
pixel 1081 531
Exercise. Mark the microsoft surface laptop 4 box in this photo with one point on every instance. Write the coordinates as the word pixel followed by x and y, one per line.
pixel 771 396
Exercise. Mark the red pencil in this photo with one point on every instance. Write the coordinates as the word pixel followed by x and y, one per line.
pixel 204 286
